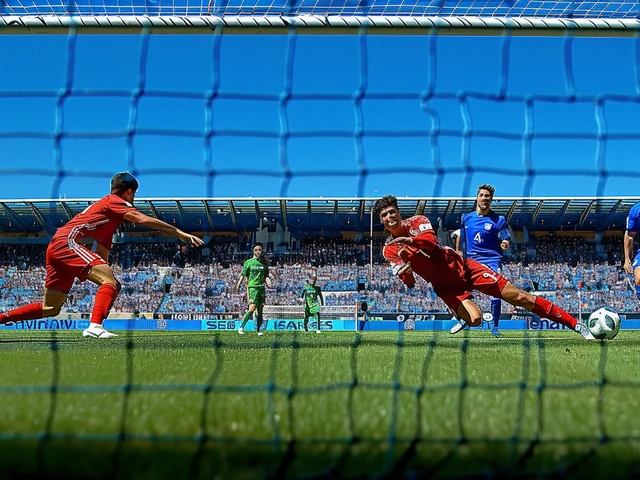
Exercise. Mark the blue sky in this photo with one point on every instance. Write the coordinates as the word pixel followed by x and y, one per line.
pixel 411 143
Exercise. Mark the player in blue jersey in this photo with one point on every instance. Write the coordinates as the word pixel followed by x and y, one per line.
pixel 483 237
pixel 630 234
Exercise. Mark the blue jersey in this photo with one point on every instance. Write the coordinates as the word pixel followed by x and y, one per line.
pixel 480 237
pixel 633 219
pixel 633 225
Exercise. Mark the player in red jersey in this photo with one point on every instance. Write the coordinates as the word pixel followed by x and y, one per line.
pixel 414 248
pixel 69 258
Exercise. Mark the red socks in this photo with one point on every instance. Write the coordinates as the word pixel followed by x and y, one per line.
pixel 105 296
pixel 545 309
pixel 33 311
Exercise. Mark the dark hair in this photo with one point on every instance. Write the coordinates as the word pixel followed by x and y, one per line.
pixel 262 258
pixel 384 202
pixel 485 186
pixel 121 182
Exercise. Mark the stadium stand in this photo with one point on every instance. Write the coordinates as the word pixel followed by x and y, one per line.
pixel 168 278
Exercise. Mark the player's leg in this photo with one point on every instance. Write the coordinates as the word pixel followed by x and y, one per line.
pixel 307 314
pixel 538 305
pixel 496 309
pixel 260 300
pixel 487 281
pixel 543 308
pixel 52 302
pixel 314 311
pixel 247 316
pixel 58 282
pixel 259 309
pixel 461 302
pixel 636 273
pixel 251 299
pixel 496 303
pixel 49 307
pixel 108 290
pixel 453 299
pixel 469 312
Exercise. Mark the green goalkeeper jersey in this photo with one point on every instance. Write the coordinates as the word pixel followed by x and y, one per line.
pixel 311 294
pixel 255 272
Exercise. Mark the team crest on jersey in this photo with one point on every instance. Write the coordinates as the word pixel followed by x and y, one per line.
pixel 487 226
pixel 423 227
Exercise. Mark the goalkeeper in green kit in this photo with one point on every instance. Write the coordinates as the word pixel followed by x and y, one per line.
pixel 256 271
pixel 311 294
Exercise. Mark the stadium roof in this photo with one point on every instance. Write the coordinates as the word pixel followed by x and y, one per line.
pixel 42 217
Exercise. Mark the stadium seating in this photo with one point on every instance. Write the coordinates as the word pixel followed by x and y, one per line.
pixel 164 278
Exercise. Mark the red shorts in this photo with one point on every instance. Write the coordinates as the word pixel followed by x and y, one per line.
pixel 477 277
pixel 65 263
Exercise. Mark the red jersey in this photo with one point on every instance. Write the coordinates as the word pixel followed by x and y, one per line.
pixel 98 221
pixel 436 263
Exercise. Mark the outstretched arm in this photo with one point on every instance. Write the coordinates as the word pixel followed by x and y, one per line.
pixel 405 274
pixel 399 267
pixel 426 241
pixel 140 218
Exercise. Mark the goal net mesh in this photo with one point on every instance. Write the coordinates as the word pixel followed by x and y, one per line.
pixel 483 94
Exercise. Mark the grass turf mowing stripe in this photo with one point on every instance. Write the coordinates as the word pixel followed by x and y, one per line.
pixel 197 403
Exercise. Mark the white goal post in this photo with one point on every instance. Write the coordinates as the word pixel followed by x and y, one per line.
pixel 327 312
pixel 317 24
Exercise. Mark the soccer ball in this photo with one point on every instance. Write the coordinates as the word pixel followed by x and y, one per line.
pixel 604 323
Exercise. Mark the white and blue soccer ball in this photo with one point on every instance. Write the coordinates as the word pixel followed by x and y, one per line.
pixel 604 323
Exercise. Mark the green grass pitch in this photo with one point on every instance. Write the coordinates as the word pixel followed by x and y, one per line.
pixel 335 405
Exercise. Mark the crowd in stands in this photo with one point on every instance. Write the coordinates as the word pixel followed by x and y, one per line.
pixel 167 277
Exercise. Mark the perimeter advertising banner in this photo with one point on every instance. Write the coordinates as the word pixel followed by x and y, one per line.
pixel 48 324
pixel 374 321
pixel 115 324
pixel 279 325
pixel 627 322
